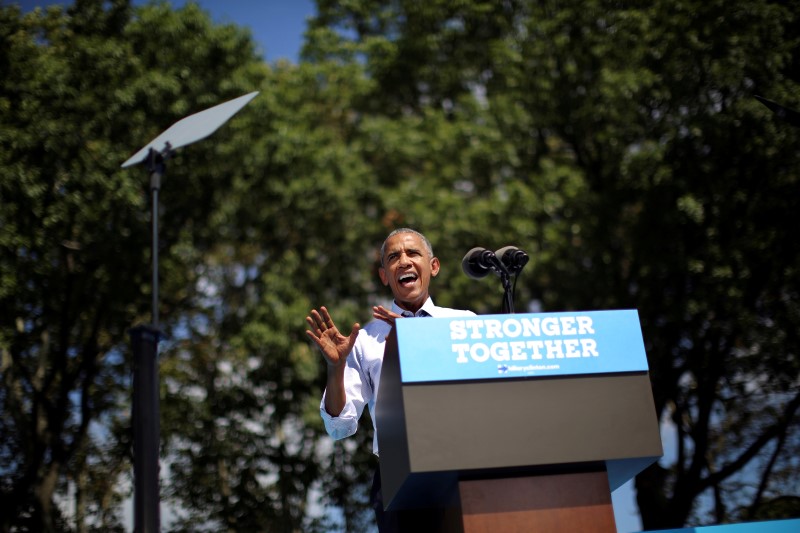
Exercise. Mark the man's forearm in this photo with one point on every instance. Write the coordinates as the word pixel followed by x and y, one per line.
pixel 335 396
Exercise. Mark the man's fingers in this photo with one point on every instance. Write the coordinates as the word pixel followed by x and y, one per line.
pixel 381 313
pixel 320 323
pixel 317 321
pixel 311 323
pixel 327 321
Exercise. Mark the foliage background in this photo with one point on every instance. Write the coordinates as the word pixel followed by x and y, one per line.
pixel 618 143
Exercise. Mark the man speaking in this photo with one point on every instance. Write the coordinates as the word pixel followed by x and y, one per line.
pixel 354 361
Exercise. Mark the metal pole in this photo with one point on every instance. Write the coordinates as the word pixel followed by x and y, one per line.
pixel 155 185
pixel 146 429
pixel 146 423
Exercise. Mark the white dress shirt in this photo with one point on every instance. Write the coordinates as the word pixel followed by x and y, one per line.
pixel 362 375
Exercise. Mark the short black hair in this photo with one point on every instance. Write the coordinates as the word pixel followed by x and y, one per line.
pixel 425 240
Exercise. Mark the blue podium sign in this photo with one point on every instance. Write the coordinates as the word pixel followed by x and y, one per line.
pixel 520 345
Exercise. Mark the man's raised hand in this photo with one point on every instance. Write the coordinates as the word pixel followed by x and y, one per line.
pixel 323 331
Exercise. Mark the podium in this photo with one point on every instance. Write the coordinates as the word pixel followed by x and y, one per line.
pixel 515 422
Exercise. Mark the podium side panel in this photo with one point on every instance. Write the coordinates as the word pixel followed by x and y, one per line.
pixel 391 421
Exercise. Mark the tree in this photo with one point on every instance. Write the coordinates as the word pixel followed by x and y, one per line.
pixel 663 186
pixel 244 383
pixel 618 144
pixel 81 89
pixel 681 164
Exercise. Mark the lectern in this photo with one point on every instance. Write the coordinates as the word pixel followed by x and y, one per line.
pixel 520 422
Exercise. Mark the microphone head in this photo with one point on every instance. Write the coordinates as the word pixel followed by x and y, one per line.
pixel 513 258
pixel 474 263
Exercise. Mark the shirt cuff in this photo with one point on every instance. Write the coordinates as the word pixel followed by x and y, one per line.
pixel 340 426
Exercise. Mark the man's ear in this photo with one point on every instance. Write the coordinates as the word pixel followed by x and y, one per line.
pixel 434 266
pixel 382 274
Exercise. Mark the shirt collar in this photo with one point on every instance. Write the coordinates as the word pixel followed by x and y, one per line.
pixel 428 307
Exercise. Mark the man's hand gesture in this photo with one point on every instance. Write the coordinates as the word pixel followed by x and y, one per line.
pixel 333 345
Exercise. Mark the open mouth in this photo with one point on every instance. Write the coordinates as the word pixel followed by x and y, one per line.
pixel 407 279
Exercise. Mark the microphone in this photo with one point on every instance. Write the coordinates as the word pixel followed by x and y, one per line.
pixel 479 262
pixel 513 258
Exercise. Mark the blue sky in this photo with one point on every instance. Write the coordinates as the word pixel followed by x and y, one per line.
pixel 278 27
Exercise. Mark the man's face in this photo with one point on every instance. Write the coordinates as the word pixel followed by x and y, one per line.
pixel 407 269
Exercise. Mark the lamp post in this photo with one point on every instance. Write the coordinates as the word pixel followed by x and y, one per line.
pixel 144 338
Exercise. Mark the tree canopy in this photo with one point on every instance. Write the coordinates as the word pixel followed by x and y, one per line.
pixel 618 143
